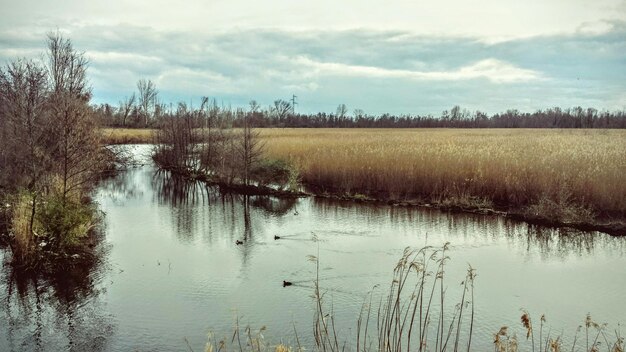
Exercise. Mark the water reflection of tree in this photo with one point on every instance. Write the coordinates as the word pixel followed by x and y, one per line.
pixel 120 187
pixel 55 309
pixel 546 241
pixel 563 242
pixel 274 206
pixel 199 210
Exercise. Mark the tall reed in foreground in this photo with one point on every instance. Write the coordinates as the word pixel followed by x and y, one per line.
pixel 403 318
pixel 415 314
pixel 600 339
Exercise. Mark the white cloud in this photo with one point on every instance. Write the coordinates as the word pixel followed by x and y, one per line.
pixel 494 70
pixel 203 82
pixel 404 71
pixel 303 87
pixel 121 58
pixel 595 27
pixel 484 19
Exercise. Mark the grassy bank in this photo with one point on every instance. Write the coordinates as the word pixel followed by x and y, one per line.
pixel 561 176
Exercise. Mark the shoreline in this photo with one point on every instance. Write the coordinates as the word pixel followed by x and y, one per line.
pixel 616 229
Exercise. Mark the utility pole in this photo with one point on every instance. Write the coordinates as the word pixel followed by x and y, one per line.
pixel 293 104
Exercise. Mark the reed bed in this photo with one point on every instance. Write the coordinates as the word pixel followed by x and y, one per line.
pixel 560 175
pixel 127 135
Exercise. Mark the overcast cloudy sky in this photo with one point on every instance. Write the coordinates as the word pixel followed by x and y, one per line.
pixel 395 56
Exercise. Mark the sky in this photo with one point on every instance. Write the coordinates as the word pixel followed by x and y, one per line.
pixel 394 56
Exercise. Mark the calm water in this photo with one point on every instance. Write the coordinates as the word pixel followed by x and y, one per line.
pixel 170 270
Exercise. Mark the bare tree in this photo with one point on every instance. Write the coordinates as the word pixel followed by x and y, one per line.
pixel 25 132
pixel 280 110
pixel 455 113
pixel 77 149
pixel 342 111
pixel 126 107
pixel 23 88
pixel 147 98
pixel 254 106
pixel 251 147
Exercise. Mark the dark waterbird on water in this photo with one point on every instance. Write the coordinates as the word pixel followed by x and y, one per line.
pixel 287 283
pixel 276 237
pixel 238 242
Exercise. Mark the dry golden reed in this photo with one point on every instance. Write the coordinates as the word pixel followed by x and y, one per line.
pixel 570 174
pixel 127 135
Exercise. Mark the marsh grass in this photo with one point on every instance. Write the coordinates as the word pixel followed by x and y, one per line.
pixel 597 338
pixel 20 226
pixel 47 227
pixel 558 175
pixel 127 135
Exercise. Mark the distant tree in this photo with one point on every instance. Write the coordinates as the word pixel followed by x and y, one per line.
pixel 342 111
pixel 254 106
pixel 126 108
pixel 281 110
pixel 455 113
pixel 147 98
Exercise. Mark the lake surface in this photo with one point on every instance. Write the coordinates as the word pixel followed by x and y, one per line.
pixel 170 271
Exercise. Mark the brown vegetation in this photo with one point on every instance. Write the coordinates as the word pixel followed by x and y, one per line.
pixel 50 152
pixel 562 176
pixel 127 135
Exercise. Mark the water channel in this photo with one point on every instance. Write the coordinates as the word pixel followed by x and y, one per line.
pixel 170 270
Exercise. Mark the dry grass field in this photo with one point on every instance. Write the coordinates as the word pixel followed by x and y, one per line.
pixel 562 175
pixel 127 135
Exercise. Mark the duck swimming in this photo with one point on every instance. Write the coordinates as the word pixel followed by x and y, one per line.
pixel 287 283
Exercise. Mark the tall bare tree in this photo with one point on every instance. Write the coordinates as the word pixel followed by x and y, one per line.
pixel 251 148
pixel 147 98
pixel 126 107
pixel 23 93
pixel 342 111
pixel 77 148
pixel 25 131
pixel 281 110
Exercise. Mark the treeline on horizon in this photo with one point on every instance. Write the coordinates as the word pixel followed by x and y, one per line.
pixel 143 110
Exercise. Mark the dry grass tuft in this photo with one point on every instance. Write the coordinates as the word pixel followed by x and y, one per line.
pixel 127 135
pixel 20 225
pixel 282 348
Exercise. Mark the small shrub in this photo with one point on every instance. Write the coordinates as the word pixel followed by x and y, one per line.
pixel 65 222
pixel 274 171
